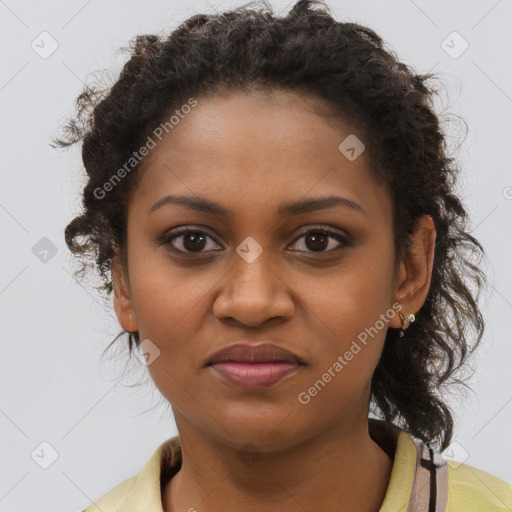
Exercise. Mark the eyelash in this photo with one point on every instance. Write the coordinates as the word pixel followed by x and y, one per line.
pixel 168 238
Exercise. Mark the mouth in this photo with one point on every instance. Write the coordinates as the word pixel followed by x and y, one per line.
pixel 254 367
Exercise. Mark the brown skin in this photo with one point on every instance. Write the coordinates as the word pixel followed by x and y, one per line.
pixel 250 153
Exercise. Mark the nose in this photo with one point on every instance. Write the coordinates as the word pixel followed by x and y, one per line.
pixel 253 293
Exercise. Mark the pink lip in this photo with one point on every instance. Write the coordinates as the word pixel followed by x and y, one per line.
pixel 254 375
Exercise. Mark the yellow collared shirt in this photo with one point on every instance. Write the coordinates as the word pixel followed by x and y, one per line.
pixel 420 482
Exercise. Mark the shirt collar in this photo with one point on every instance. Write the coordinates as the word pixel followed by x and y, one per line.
pixel 146 492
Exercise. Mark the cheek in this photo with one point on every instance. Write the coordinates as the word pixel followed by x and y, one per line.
pixel 351 298
pixel 350 312
pixel 163 293
pixel 350 337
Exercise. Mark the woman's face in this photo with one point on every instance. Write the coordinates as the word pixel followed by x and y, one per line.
pixel 255 275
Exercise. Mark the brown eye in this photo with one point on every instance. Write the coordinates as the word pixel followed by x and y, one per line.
pixel 187 241
pixel 318 240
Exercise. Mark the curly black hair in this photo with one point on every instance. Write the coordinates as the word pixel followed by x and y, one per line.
pixel 364 83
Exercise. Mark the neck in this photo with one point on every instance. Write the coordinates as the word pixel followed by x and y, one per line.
pixel 340 469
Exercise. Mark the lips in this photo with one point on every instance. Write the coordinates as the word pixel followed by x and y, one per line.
pixel 245 353
pixel 253 367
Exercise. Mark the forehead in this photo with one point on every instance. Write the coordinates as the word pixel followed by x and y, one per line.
pixel 268 119
pixel 257 148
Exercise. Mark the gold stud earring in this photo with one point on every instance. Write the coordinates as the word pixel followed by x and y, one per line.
pixel 406 322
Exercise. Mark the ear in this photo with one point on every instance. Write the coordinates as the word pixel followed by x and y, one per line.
pixel 122 296
pixel 415 273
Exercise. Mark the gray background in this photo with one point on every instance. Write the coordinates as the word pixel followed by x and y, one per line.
pixel 53 329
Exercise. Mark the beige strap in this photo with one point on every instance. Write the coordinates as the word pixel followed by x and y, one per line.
pixel 430 486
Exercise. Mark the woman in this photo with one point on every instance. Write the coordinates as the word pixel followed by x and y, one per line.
pixel 270 203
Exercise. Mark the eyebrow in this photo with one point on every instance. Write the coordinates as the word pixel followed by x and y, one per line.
pixel 287 209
